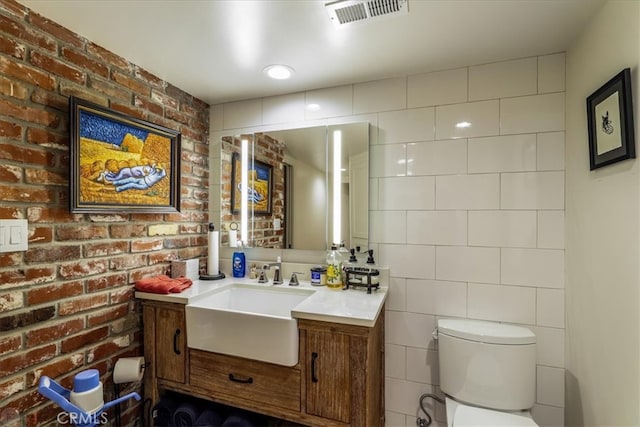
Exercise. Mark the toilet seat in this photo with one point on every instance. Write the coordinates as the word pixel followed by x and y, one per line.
pixel 461 415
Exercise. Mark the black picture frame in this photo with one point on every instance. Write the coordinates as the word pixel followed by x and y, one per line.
pixel 610 122
pixel 121 164
pixel 261 191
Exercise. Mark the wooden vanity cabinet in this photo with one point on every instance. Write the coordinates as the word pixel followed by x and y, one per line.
pixel 344 372
pixel 338 381
pixel 165 344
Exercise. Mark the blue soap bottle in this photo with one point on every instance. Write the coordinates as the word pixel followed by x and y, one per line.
pixel 239 263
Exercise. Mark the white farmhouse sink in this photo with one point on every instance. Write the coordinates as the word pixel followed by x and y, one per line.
pixel 248 321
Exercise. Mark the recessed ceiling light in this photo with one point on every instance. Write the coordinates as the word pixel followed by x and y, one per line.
pixel 278 71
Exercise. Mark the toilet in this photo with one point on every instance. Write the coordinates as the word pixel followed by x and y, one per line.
pixel 487 372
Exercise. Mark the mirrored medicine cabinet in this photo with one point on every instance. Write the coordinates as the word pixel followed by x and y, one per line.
pixel 302 188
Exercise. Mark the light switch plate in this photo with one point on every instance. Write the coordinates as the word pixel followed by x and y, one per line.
pixel 13 235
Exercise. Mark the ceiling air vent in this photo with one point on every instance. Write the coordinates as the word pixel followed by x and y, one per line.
pixel 344 12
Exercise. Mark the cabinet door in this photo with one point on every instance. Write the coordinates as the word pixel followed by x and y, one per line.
pixel 171 345
pixel 328 377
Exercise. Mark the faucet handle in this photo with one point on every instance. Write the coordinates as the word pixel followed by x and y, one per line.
pixel 294 278
pixel 262 278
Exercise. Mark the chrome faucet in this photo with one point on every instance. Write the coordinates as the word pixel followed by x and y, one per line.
pixel 277 274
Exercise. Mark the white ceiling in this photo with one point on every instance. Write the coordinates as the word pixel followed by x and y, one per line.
pixel 216 49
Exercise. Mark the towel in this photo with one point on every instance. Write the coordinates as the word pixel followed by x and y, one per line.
pixel 238 420
pixel 163 284
pixel 209 418
pixel 186 415
pixel 162 413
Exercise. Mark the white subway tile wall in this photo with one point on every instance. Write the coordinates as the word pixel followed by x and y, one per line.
pixel 466 207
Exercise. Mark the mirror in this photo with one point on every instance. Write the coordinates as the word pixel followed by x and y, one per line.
pixel 289 179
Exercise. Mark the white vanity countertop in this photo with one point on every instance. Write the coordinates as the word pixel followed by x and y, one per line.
pixel 352 306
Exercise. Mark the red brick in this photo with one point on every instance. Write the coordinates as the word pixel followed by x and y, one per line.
pixel 53 332
pixel 123 231
pixel 58 68
pixel 51 214
pixel 9 259
pixel 122 295
pixel 29 114
pixel 10 344
pixel 82 232
pixel 104 282
pixel 129 110
pixel 48 139
pixel 52 253
pixel 11 301
pixel 24 33
pixel 106 348
pixel 147 245
pixel 46 293
pixel 132 83
pixel 11 387
pixel 25 359
pixel 56 30
pixel 68 88
pixel 26 318
pixel 45 177
pixel 9 173
pixel 177 116
pixel 40 235
pixel 81 269
pixel 26 73
pixel 148 77
pixel 54 369
pixel 148 105
pixel 81 340
pixel 108 315
pixel 51 99
pixel 28 276
pixel 26 155
pixel 128 262
pixel 106 56
pixel 112 91
pixel 12 47
pixel 13 88
pixel 26 401
pixel 42 415
pixel 102 249
pixel 14 8
pixel 81 304
pixel 10 130
pixel 25 194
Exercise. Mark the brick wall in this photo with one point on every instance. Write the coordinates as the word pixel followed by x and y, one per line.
pixel 66 304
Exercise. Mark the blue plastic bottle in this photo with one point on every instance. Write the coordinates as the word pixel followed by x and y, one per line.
pixel 239 263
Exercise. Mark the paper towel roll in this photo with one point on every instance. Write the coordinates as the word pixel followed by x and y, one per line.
pixel 128 370
pixel 213 267
pixel 233 238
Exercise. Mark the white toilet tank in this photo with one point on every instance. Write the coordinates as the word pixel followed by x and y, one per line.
pixel 488 364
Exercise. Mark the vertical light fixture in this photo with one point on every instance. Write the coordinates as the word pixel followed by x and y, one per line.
pixel 244 191
pixel 337 185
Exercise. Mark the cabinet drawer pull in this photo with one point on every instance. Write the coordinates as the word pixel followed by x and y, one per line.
pixel 240 380
pixel 176 335
pixel 314 356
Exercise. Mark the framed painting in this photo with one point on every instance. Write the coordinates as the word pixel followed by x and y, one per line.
pixel 610 122
pixel 121 164
pixel 260 184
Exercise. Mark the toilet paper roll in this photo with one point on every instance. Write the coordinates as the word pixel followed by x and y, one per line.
pixel 213 262
pixel 233 238
pixel 128 370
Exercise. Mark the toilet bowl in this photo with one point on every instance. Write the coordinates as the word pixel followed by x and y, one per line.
pixel 487 372
pixel 461 415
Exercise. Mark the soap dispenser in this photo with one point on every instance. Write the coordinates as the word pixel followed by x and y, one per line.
pixel 334 268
